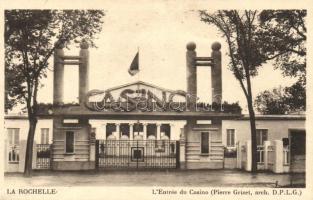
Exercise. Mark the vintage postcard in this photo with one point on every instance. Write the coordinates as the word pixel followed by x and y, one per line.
pixel 156 100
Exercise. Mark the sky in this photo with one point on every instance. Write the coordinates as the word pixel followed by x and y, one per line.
pixel 161 36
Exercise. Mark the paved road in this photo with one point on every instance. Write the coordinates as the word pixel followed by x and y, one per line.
pixel 228 178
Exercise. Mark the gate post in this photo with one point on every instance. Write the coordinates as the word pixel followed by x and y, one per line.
pixel 239 155
pixel 177 155
pixel 266 144
pixel 278 162
pixel 248 156
pixel 182 150
pixel 97 155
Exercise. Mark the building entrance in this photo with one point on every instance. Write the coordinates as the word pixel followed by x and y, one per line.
pixel 297 151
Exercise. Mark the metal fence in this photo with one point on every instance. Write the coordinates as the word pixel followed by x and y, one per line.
pixel 286 157
pixel 137 153
pixel 43 156
pixel 260 154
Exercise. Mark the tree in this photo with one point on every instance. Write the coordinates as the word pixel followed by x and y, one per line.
pixel 240 29
pixel 31 37
pixel 284 36
pixel 271 102
pixel 282 100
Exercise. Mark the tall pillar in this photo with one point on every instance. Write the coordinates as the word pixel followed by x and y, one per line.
pixel 145 131
pixel 131 131
pixel 216 73
pixel 191 75
pixel 83 71
pixel 182 149
pixel 171 131
pixel 118 131
pixel 158 131
pixel 58 74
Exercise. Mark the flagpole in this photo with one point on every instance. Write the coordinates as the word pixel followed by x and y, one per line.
pixel 138 74
pixel 138 84
pixel 138 63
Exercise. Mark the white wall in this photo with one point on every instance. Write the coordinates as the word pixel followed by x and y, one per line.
pixel 277 129
pixel 23 125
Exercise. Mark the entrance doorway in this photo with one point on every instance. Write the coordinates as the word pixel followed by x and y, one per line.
pixel 297 150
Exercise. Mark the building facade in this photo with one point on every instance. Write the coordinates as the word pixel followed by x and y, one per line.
pixel 289 130
pixel 137 125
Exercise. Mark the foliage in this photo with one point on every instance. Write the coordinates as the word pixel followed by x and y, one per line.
pixel 281 100
pixel 283 33
pixel 231 107
pixel 284 36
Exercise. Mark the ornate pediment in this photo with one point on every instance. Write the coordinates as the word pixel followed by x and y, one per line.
pixel 138 96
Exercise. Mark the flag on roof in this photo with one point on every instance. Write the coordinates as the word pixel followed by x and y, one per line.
pixel 134 66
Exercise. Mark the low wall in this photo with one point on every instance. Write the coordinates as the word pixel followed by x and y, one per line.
pixel 272 152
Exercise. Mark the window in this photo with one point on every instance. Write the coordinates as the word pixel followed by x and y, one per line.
pixel 166 129
pixel 44 136
pixel 69 148
pixel 230 138
pixel 261 136
pixel 151 130
pixel 13 140
pixel 13 136
pixel 110 128
pixel 138 127
pixel 205 142
pixel 124 129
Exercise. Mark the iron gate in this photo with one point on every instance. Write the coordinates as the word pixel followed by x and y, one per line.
pixel 43 156
pixel 137 154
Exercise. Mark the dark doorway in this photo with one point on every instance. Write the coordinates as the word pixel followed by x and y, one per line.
pixel 297 150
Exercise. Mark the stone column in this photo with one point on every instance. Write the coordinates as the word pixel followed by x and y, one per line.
pixel 131 131
pixel 182 149
pixel 118 134
pixel 278 162
pixel 171 131
pixel 158 137
pixel 216 73
pixel 191 75
pixel 83 71
pixel 58 74
pixel 144 131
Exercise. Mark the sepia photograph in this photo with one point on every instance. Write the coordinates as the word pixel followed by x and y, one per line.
pixel 182 102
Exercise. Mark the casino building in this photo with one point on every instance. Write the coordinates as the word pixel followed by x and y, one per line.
pixel 137 125
pixel 142 137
